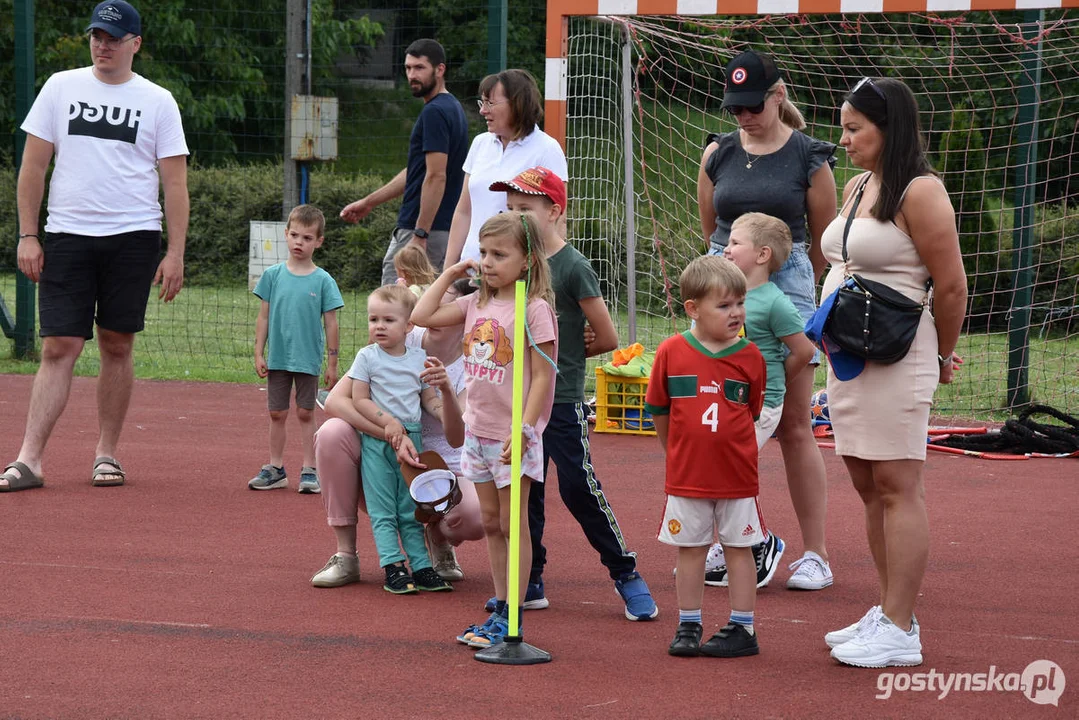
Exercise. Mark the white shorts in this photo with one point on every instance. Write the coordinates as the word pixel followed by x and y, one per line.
pixel 481 461
pixel 693 522
pixel 767 423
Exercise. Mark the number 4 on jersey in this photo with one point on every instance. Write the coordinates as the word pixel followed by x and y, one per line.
pixel 711 417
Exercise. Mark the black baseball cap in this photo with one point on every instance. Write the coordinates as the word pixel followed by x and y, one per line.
pixel 749 76
pixel 117 18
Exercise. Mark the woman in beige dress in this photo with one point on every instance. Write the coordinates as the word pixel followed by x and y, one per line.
pixel 903 234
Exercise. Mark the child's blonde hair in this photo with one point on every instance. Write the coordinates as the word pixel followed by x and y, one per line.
pixel 522 229
pixel 711 273
pixel 307 215
pixel 397 295
pixel 412 264
pixel 770 232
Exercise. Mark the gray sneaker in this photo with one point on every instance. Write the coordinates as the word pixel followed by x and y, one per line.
pixel 340 570
pixel 444 558
pixel 309 481
pixel 269 478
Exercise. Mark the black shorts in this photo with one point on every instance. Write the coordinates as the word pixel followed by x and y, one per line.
pixel 111 274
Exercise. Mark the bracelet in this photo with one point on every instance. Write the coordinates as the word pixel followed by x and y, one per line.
pixel 331 351
pixel 26 235
pixel 944 360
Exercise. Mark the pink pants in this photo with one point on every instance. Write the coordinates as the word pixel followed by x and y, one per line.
pixel 337 454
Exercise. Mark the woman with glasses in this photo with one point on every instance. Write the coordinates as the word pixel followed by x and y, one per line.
pixel 900 230
pixel 768 165
pixel 511 103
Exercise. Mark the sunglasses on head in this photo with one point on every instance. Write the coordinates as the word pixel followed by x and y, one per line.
pixel 868 81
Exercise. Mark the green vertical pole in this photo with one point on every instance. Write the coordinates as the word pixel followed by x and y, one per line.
pixel 25 291
pixel 497 20
pixel 1023 232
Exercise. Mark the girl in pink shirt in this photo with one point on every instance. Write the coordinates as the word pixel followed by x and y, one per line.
pixel 510 250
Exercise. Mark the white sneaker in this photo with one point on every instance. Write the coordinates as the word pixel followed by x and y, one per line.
pixel 883 644
pixel 810 573
pixel 340 570
pixel 715 558
pixel 444 558
pixel 838 637
pixel 446 564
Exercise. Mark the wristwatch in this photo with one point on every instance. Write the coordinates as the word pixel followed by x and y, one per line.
pixel 421 233
pixel 944 360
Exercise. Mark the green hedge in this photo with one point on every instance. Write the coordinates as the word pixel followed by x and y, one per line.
pixel 223 202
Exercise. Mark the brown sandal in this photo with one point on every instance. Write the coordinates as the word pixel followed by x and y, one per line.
pixel 25 480
pixel 107 478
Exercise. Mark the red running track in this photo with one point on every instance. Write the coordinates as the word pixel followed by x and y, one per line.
pixel 185 595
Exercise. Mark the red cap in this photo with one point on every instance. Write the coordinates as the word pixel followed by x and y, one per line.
pixel 536 181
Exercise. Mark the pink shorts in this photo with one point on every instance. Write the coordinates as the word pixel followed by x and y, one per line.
pixel 481 461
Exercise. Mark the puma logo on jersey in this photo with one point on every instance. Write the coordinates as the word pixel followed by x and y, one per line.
pixel 104 122
pixel 712 389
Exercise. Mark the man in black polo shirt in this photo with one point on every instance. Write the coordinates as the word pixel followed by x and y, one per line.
pixel 431 182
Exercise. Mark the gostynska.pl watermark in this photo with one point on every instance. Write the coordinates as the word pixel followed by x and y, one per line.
pixel 1041 682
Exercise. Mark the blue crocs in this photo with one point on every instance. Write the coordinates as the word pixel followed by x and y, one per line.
pixel 638 599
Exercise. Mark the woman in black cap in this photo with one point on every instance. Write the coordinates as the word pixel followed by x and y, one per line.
pixel 768 165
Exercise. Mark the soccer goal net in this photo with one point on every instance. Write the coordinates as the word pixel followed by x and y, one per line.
pixel 999 96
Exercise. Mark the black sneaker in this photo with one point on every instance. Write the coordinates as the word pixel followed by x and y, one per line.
pixel 767 556
pixel 732 641
pixel 430 581
pixel 398 581
pixel 687 640
pixel 716 577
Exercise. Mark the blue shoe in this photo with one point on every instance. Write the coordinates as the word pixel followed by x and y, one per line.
pixel 269 478
pixel 638 599
pixel 493 634
pixel 534 599
pixel 471 630
pixel 309 481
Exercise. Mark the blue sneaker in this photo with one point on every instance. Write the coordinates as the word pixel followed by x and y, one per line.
pixel 534 599
pixel 638 599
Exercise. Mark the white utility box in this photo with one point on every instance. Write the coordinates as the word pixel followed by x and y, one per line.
pixel 314 128
pixel 268 247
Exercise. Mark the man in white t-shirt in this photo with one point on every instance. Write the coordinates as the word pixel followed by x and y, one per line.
pixel 116 138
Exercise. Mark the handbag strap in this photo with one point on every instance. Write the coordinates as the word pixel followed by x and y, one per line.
pixel 850 216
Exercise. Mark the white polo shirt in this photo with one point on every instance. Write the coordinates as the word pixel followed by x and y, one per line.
pixel 488 162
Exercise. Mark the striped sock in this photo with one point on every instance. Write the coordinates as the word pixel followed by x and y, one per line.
pixel 740 617
pixel 693 616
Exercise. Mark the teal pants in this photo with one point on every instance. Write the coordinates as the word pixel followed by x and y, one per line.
pixel 389 505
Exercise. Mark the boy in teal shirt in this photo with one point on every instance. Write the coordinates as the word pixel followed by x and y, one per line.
pixel 298 297
pixel 759 245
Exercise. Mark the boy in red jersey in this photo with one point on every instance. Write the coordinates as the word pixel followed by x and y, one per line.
pixel 705 392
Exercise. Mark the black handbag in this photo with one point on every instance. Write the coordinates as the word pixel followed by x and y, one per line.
pixel 868 318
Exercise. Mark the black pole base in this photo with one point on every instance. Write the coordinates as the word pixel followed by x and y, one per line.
pixel 513 651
